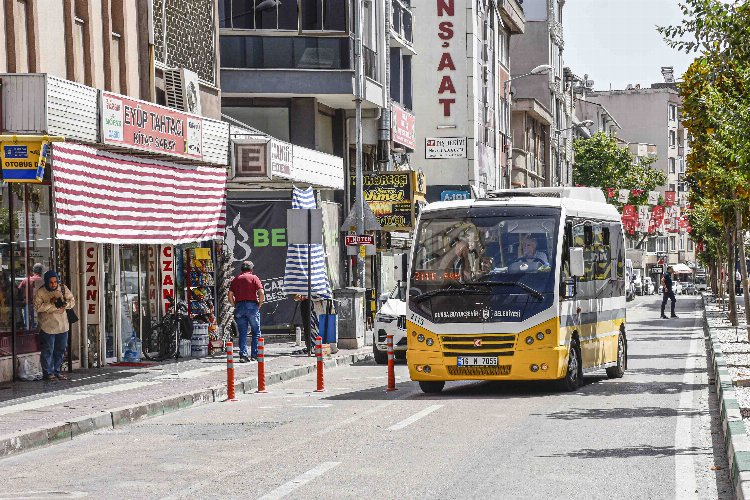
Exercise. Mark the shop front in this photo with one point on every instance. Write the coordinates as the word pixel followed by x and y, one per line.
pixel 128 207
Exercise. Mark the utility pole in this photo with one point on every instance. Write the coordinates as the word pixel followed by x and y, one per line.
pixel 358 195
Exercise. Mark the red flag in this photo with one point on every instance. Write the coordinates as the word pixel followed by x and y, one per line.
pixel 669 197
pixel 611 192
pixel 628 212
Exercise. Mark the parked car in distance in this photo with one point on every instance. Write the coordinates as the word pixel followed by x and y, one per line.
pixel 390 318
pixel 700 283
pixel 647 287
pixel 688 288
pixel 677 287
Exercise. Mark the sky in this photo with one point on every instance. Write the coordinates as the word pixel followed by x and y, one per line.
pixel 615 42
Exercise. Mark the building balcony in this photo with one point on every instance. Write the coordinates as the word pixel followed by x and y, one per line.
pixel 402 27
pixel 297 66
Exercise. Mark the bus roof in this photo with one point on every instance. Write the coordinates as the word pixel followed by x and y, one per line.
pixel 582 201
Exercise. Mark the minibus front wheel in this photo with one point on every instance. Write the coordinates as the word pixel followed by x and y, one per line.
pixel 574 376
pixel 431 387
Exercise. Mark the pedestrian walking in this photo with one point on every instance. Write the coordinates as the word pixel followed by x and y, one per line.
pixel 666 283
pixel 738 282
pixel 246 295
pixel 51 302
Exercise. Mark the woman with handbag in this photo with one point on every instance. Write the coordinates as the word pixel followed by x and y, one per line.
pixel 54 304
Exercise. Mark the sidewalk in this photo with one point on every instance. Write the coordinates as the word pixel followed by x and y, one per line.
pixel 38 413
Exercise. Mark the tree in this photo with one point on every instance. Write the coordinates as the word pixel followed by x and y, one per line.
pixel 716 111
pixel 602 163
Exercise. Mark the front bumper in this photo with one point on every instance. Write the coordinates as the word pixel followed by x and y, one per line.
pixel 379 337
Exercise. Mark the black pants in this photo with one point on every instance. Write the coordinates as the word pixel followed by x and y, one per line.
pixel 668 295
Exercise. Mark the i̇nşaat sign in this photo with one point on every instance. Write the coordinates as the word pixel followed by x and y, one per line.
pixel 140 125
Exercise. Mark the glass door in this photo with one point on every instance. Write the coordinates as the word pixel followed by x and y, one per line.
pixel 130 293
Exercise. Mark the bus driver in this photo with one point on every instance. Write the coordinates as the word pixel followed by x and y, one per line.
pixel 531 259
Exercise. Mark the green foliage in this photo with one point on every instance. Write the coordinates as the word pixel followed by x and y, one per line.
pixel 601 162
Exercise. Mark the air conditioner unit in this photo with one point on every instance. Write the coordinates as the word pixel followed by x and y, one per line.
pixel 182 89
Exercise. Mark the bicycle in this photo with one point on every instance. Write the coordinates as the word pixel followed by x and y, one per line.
pixel 164 342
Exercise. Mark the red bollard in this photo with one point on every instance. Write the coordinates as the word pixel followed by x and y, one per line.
pixel 262 365
pixel 391 362
pixel 230 372
pixel 319 355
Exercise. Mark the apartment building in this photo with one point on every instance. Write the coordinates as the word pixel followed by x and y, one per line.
pixel 463 62
pixel 544 118
pixel 651 115
pixel 130 86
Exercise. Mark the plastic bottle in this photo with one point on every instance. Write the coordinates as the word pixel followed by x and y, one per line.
pixel 133 349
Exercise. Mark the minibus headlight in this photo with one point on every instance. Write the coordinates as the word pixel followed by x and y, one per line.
pixel 534 368
pixel 420 337
pixel 430 342
pixel 540 336
pixel 427 369
pixel 529 340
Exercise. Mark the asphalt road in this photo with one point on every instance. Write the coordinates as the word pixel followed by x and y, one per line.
pixel 652 434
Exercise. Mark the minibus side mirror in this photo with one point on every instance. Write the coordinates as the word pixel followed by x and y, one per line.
pixel 569 288
pixel 576 262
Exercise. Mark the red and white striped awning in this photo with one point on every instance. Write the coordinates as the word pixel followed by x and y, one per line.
pixel 102 197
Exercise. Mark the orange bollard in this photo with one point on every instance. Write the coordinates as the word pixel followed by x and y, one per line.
pixel 319 355
pixel 262 365
pixel 230 372
pixel 391 363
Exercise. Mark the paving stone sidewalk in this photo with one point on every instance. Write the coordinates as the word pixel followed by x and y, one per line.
pixel 38 413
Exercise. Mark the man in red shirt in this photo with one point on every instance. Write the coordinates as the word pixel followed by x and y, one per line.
pixel 246 295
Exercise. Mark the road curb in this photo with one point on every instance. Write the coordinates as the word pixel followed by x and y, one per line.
pixel 118 417
pixel 736 442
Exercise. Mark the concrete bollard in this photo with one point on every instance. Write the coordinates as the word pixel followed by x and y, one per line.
pixel 319 355
pixel 261 365
pixel 230 372
pixel 391 364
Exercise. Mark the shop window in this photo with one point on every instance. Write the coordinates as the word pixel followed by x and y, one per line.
pixel 21 39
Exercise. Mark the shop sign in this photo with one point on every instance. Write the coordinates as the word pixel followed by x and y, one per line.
pixel 281 159
pixel 444 147
pixel 446 92
pixel 250 158
pixel 402 127
pixel 148 127
pixel 91 278
pixel 166 264
pixel 24 161
pixel 152 275
pixel 359 239
pixel 392 195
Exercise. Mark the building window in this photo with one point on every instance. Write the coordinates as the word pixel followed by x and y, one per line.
pixel 278 52
pixel 689 245
pixel 672 113
pixel 672 138
pixel 682 165
pixel 661 244
pixel 672 243
pixel 271 120
pixel 408 91
pixel 672 187
pixel 682 242
pixel 672 163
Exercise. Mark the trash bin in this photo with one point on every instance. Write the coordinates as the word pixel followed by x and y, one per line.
pixel 350 308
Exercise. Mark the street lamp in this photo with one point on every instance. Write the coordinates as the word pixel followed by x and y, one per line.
pixel 582 125
pixel 539 70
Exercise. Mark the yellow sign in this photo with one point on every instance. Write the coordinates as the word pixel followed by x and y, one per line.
pixel 362 251
pixel 23 158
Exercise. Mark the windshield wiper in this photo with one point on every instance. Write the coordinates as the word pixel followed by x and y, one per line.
pixel 533 292
pixel 447 291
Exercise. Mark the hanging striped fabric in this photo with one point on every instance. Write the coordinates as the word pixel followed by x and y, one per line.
pixel 101 197
pixel 295 279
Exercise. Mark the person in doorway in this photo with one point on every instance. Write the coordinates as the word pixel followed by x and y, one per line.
pixel 666 283
pixel 51 302
pixel 246 296
pixel 26 290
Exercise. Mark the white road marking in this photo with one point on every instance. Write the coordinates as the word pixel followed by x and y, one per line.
pixel 299 481
pixel 685 481
pixel 118 388
pixel 33 495
pixel 414 418
pixel 312 406
pixel 190 374
pixel 41 403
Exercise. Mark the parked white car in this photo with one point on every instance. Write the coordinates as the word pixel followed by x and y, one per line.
pixel 390 318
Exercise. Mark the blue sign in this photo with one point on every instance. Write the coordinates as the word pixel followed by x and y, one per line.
pixel 454 195
pixel 16 152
